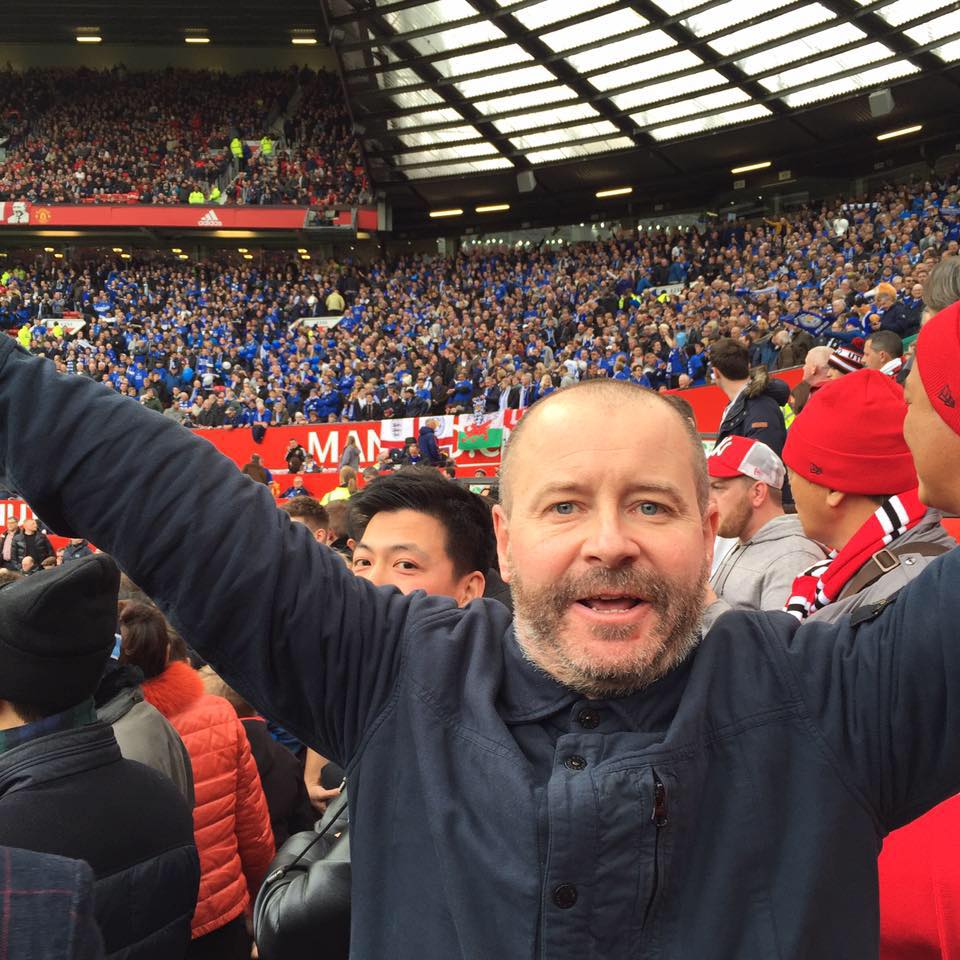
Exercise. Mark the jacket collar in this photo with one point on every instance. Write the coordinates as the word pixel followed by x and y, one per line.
pixel 57 755
pixel 175 689
pixel 70 719
pixel 528 694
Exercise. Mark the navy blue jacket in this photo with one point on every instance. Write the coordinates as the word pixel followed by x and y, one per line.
pixel 46 907
pixel 427 442
pixel 734 809
pixel 72 794
pixel 756 413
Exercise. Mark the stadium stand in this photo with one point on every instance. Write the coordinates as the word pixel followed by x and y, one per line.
pixel 86 136
pixel 224 343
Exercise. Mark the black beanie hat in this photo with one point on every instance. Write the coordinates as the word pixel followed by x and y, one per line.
pixel 57 629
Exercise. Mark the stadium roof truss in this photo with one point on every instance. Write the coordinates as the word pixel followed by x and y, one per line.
pixel 445 88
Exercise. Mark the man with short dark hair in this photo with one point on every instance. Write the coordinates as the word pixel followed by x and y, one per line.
pixel 311 513
pixel 753 410
pixel 64 786
pixel 417 530
pixel 883 351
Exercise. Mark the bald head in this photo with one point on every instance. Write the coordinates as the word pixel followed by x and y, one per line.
pixel 591 404
pixel 815 367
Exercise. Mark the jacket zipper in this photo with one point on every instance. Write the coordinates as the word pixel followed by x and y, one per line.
pixel 659 819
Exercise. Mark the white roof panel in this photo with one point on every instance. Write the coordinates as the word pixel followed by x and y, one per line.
pixel 573 151
pixel 792 22
pixel 838 88
pixel 729 118
pixel 599 30
pixel 817 43
pixel 667 89
pixel 707 101
pixel 582 131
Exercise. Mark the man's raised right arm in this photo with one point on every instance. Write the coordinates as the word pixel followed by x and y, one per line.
pixel 280 617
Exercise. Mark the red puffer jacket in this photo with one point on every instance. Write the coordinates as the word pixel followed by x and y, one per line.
pixel 231 823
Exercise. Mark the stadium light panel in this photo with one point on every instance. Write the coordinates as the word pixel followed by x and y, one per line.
pixel 492 208
pixel 302 250
pixel 614 192
pixel 304 41
pixel 750 167
pixel 248 256
pixel 48 249
pixel 176 250
pixel 916 128
pixel 455 212
pixel 125 256
pixel 196 39
pixel 183 256
pixel 242 250
pixel 59 256
pixel 89 38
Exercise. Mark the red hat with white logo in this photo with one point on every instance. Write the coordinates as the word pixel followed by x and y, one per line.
pixel 849 437
pixel 740 457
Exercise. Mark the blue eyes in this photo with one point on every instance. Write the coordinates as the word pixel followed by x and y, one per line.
pixel 647 508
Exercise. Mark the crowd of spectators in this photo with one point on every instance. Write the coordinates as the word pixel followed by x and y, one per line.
pixel 224 343
pixel 319 163
pixel 117 136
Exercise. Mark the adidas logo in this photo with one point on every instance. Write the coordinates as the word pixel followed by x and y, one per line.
pixel 210 219
pixel 945 396
pixel 815 470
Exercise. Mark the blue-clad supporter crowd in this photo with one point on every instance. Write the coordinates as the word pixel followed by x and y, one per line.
pixel 229 344
pixel 177 136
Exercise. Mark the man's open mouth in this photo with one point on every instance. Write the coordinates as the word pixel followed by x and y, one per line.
pixel 619 604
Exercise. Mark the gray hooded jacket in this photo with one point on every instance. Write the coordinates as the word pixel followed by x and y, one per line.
pixel 758 574
pixel 144 734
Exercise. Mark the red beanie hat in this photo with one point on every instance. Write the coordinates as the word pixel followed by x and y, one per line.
pixel 849 437
pixel 938 363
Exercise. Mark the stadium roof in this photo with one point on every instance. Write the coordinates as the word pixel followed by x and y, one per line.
pixel 491 88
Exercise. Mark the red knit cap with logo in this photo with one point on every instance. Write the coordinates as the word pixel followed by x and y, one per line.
pixel 938 363
pixel 849 437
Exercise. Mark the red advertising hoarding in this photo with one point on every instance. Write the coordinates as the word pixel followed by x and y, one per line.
pixel 194 217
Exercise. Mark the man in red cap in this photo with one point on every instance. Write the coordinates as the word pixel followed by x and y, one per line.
pixel 918 866
pixel 932 427
pixel 855 487
pixel 746 479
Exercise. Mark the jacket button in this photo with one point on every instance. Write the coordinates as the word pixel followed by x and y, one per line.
pixel 565 896
pixel 576 762
pixel 588 719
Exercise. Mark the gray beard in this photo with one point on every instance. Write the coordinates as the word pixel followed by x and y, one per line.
pixel 539 614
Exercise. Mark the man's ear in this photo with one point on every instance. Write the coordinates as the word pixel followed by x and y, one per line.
pixel 471 588
pixel 835 498
pixel 501 528
pixel 321 536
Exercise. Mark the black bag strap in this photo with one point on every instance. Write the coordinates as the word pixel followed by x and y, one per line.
pixel 334 812
pixel 886 560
